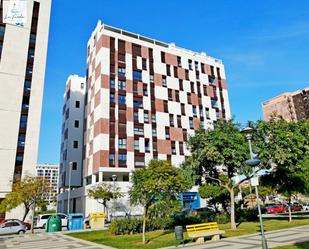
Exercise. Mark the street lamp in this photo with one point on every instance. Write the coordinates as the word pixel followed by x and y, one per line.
pixel 69 190
pixel 114 178
pixel 254 162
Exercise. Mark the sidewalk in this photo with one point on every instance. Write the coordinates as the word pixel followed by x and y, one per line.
pixel 253 241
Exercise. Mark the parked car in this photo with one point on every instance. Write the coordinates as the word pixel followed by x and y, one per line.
pixel 12 227
pixel 295 207
pixel 275 209
pixel 305 206
pixel 40 220
pixel 28 225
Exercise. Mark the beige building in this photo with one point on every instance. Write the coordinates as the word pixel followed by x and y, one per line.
pixel 290 106
pixel 23 48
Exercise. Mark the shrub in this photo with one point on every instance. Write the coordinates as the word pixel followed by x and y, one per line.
pixel 251 215
pixel 222 218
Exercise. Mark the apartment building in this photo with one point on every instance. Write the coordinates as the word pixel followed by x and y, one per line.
pixel 144 98
pixel 290 106
pixel 50 172
pixel 23 48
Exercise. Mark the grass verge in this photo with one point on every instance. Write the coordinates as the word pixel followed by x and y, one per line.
pixel 158 239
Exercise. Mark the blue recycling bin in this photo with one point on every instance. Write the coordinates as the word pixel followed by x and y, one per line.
pixel 75 221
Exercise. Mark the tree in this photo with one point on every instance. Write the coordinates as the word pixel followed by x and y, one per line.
pixel 158 182
pixel 286 147
pixel 216 194
pixel 29 192
pixel 219 156
pixel 103 193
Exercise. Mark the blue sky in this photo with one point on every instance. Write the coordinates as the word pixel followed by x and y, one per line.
pixel 263 44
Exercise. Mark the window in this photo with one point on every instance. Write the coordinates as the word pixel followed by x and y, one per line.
pixel 145 90
pixel 203 67
pixel 212 80
pixel 76 123
pixel 179 61
pixel 183 109
pixel 187 74
pixel 201 111
pixel 135 116
pixel 23 121
pixel 112 98
pixel 181 85
pixel 177 96
pixel 190 64
pixel 191 123
pixel 189 98
pixel 75 144
pixel 144 64
pixel 179 121
pixel 153 118
pixel 196 65
pixel 137 75
pixel 31 53
pixel 165 107
pixel 171 116
pixel 122 159
pixel 192 87
pixel 151 78
pixel 173 147
pixel 139 161
pixel 181 148
pixel 207 113
pixel 146 117
pixel 77 104
pixel 217 114
pixel 137 103
pixel 167 132
pixel 138 131
pixel 168 70
pixel 121 85
pixel 122 143
pixel 194 110
pixel 122 99
pixel 111 159
pixel 162 57
pixel 21 140
pixel 121 72
pixel 170 94
pixel 154 132
pixel 19 158
pixel 82 85
pixel 214 103
pixel 164 81
pixel 147 145
pixel 136 144
pixel 74 166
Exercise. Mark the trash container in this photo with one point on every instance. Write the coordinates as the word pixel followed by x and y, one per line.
pixel 53 224
pixel 97 220
pixel 75 221
pixel 179 233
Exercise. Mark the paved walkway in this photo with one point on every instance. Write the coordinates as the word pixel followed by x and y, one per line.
pixel 46 241
pixel 253 241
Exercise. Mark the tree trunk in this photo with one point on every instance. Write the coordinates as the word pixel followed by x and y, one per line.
pixel 26 213
pixel 144 224
pixel 232 198
pixel 32 219
pixel 290 211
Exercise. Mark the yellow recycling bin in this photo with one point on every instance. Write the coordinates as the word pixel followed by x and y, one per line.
pixel 97 220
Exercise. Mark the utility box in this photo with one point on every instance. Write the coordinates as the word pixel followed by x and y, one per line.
pixel 97 220
pixel 75 221
pixel 53 224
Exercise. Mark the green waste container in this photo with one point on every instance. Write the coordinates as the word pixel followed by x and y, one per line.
pixel 54 224
pixel 178 233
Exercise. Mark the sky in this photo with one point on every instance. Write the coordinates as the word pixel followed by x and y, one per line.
pixel 263 45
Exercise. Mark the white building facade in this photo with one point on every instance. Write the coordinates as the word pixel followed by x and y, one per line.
pixel 144 98
pixel 22 71
pixel 51 173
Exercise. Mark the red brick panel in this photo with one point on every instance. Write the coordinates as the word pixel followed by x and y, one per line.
pixel 128 47
pixel 196 123
pixel 157 79
pixel 98 71
pixel 140 88
pixel 97 99
pixel 101 126
pixel 207 69
pixel 181 73
pixel 171 59
pixel 100 159
pixel 130 144
pixel 176 134
pixel 105 41
pixel 104 81
pixel 194 99
pixel 210 91
pixel 223 84
pixel 129 111
pixel 159 105
pixel 164 146
pixel 145 52
pixel 129 86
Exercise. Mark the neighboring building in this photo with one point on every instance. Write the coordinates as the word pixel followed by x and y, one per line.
pixel 144 98
pixel 22 70
pixel 71 156
pixel 50 172
pixel 290 106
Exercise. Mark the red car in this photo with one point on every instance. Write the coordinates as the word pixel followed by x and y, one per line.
pixel 275 209
pixel 295 207
pixel 28 225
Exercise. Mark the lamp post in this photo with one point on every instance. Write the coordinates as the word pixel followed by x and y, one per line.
pixel 254 162
pixel 114 178
pixel 69 190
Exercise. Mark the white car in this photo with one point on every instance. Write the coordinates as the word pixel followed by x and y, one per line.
pixel 12 227
pixel 40 220
pixel 305 206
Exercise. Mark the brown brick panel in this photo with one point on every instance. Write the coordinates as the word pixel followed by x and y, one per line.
pixel 145 53
pixel 97 99
pixel 164 146
pixel 207 69
pixel 129 112
pixel 181 73
pixel 101 126
pixel 176 134
pixel 130 144
pixel 158 79
pixel 159 105
pixel 223 84
pixel 171 59
pixel 196 123
pixel 210 91
pixel 105 41
pixel 194 99
pixel 98 71
pixel 100 159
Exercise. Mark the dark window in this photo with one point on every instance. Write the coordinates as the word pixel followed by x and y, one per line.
pixel 74 166
pixel 23 121
pixel 147 145
pixel 190 64
pixel 187 74
pixel 173 147
pixel 168 70
pixel 145 90
pixel 179 61
pixel 75 144
pixel 76 123
pixel 203 67
pixel 181 85
pixel 77 104
pixel 183 109
pixel 122 99
pixel 121 85
pixel 111 159
pixel 167 132
pixel 144 64
pixel 171 116
pixel 112 98
pixel 137 103
pixel 122 160
pixel 179 121
pixel 192 87
pixel 135 115
pixel 170 95
pixel 162 57
pixel 196 65
pixel 181 148
pixel 164 84
pixel 165 107
pixel 191 123
pixel 177 96
pixel 122 143
pixel 121 72
pixel 189 98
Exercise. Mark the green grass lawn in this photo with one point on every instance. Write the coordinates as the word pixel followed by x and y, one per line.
pixel 159 239
pixel 304 245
